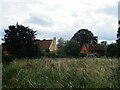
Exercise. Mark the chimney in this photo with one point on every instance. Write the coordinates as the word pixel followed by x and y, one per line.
pixel 54 38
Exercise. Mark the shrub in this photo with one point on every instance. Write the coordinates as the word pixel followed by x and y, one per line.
pixel 72 48
pixel 8 58
pixel 48 54
pixel 83 54
pixel 112 50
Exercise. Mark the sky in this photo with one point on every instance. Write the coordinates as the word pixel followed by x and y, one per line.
pixel 62 18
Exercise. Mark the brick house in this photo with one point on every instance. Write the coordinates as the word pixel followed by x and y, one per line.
pixel 92 49
pixel 44 45
pixel 47 45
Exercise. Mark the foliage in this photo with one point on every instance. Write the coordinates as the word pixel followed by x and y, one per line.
pixel 84 36
pixel 49 54
pixel 61 73
pixel 112 50
pixel 68 48
pixel 118 32
pixel 60 47
pixel 19 40
pixel 118 41
pixel 118 48
pixel 72 48
pixel 7 58
pixel 104 45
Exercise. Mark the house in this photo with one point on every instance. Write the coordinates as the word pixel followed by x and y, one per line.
pixel 92 49
pixel 47 45
pixel 44 45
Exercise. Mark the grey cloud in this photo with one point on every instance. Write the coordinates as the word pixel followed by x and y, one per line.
pixel 53 7
pixel 58 35
pixel 40 32
pixel 2 31
pixel 43 21
pixel 119 10
pixel 109 10
pixel 74 14
pixel 106 33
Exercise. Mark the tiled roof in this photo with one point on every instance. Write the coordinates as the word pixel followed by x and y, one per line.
pixel 44 44
pixel 96 47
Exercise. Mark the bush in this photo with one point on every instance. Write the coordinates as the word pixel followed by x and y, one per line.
pixel 112 50
pixel 48 54
pixel 72 48
pixel 8 58
pixel 51 55
pixel 60 55
pixel 61 47
pixel 83 54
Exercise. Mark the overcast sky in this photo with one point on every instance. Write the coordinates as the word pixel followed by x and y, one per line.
pixel 62 18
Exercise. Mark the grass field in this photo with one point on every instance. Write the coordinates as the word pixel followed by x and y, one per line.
pixel 62 73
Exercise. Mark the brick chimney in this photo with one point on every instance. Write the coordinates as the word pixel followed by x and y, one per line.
pixel 54 38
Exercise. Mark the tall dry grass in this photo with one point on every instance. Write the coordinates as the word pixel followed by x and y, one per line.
pixel 62 73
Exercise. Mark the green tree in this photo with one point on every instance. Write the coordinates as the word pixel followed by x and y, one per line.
pixel 118 41
pixel 84 36
pixel 104 45
pixel 112 50
pixel 72 48
pixel 118 32
pixel 61 46
pixel 19 40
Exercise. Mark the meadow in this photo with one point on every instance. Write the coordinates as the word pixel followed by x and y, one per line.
pixel 61 73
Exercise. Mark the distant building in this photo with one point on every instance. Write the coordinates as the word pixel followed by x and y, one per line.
pixel 47 45
pixel 92 49
pixel 43 45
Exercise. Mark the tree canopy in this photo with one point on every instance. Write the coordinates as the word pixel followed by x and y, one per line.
pixel 118 32
pixel 111 50
pixel 61 46
pixel 118 40
pixel 72 48
pixel 84 36
pixel 19 40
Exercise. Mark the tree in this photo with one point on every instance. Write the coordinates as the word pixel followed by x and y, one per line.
pixel 118 32
pixel 61 43
pixel 72 48
pixel 60 46
pixel 84 36
pixel 118 41
pixel 104 45
pixel 112 50
pixel 19 40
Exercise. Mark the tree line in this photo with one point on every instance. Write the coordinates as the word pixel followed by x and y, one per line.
pixel 19 41
pixel 113 50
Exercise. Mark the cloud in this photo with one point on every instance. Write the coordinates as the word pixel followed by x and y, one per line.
pixel 62 18
pixel 39 20
pixel 110 10
pixel 119 10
